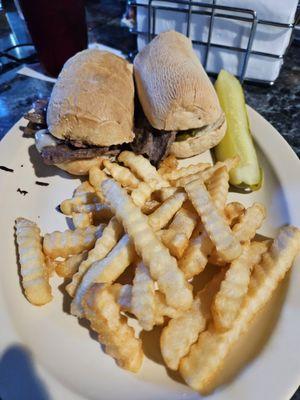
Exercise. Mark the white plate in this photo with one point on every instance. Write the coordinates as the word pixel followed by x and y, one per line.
pixel 47 350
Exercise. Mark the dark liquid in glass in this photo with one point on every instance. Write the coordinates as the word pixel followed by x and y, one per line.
pixel 58 30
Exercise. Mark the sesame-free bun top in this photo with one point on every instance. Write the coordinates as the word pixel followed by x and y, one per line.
pixel 93 100
pixel 173 88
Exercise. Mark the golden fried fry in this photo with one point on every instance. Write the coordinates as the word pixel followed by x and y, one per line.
pixel 194 258
pixel 110 236
pixel 32 261
pixel 227 245
pixel 185 171
pixel 124 297
pixel 121 174
pixel 141 194
pixel 165 212
pixel 206 174
pixel 106 270
pixel 161 309
pixel 163 268
pixel 206 357
pixel 150 206
pixel 84 187
pixel 245 229
pixel 96 177
pixel 103 312
pixel 164 193
pixel 142 167
pixel 97 212
pixel 50 265
pixel 82 220
pixel 180 333
pixel 234 287
pixel 168 164
pixel 233 211
pixel 67 268
pixel 208 293
pixel 218 186
pixel 64 244
pixel 142 300
pixel 69 206
pixel 176 237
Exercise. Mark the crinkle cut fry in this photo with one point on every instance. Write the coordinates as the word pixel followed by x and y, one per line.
pixel 142 193
pixel 245 229
pixel 233 211
pixel 142 167
pixel 176 237
pixel 142 300
pixel 218 186
pixel 180 333
pixel 206 174
pixel 64 244
pixel 168 164
pixel 103 312
pixel 164 213
pixel 35 279
pixel 106 270
pixel 84 187
pixel 69 267
pixel 69 206
pixel 206 358
pixel 162 266
pixel 96 177
pixel 185 171
pixel 234 287
pixel 110 236
pixel 195 257
pixel 217 228
pixel 121 174
pixel 81 220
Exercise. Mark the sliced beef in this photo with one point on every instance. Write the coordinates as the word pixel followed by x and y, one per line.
pixel 64 153
pixel 152 143
pixel 36 118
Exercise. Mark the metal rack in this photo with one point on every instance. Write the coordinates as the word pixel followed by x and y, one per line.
pixel 214 11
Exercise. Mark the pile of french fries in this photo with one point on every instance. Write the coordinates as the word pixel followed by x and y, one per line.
pixel 168 225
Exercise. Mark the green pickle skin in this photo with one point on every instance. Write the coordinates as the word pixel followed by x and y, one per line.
pixel 237 140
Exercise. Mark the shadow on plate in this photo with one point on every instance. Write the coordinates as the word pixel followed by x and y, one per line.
pixel 252 344
pixel 18 378
pixel 151 348
pixel 66 307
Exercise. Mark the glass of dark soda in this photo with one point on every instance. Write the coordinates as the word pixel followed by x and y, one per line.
pixel 58 30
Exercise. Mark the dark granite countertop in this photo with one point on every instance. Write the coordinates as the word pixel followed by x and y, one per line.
pixel 279 104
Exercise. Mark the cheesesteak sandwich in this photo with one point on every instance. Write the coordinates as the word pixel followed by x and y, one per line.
pixel 177 96
pixel 90 112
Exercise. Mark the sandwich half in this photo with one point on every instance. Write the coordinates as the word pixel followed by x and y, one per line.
pixel 90 112
pixel 177 96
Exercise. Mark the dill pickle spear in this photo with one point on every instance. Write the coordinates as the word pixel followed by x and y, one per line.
pixel 237 140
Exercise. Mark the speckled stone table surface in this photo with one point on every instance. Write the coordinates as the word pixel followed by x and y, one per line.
pixel 279 104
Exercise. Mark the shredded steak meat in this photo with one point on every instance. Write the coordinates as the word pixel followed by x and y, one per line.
pixel 36 118
pixel 148 141
pixel 64 153
pixel 152 143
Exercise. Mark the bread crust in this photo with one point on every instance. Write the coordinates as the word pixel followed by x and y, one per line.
pixel 80 167
pixel 173 88
pixel 93 100
pixel 198 144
